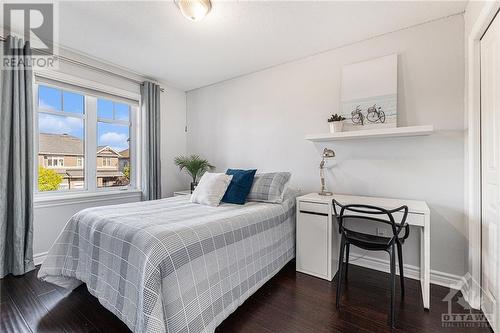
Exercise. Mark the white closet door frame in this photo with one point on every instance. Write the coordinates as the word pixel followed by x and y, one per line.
pixel 472 195
pixel 490 158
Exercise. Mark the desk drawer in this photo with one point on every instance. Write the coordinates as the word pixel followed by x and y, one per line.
pixel 313 207
pixel 412 219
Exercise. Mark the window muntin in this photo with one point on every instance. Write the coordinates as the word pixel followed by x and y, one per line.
pixel 84 115
pixel 109 110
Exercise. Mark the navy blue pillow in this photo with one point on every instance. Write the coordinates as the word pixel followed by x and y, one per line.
pixel 240 186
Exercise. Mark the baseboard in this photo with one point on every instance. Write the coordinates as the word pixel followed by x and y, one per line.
pixel 39 258
pixel 412 272
pixel 447 280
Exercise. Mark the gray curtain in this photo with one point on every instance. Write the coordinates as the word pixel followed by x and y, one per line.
pixel 150 104
pixel 16 162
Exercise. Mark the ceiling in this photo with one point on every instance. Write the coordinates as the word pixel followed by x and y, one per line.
pixel 236 38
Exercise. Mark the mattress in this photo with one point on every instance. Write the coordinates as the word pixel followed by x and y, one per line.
pixel 171 265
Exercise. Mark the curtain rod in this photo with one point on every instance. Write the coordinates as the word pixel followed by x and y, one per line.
pixel 95 68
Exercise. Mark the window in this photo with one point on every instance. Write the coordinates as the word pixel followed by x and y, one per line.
pixel 84 139
pixel 55 161
pixel 113 140
pixel 106 161
pixel 61 136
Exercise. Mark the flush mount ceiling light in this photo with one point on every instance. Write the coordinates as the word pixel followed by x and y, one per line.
pixel 194 10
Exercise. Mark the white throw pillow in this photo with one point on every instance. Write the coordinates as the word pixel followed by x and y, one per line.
pixel 211 188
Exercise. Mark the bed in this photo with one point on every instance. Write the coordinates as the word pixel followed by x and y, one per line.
pixel 171 265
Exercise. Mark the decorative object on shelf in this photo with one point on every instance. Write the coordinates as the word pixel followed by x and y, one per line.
pixel 195 166
pixel 194 10
pixel 369 94
pixel 336 123
pixel 327 153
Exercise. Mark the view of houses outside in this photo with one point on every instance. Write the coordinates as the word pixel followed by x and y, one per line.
pixel 64 154
pixel 61 141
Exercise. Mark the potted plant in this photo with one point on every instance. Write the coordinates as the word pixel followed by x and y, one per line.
pixel 336 123
pixel 195 166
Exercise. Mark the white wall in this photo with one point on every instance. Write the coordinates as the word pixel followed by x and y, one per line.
pixel 260 120
pixel 173 139
pixel 50 218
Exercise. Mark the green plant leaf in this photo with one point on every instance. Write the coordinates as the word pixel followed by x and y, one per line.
pixel 194 165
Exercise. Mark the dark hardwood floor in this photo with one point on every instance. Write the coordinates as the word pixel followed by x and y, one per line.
pixel 290 302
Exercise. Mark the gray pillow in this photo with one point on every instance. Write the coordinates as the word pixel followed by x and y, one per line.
pixel 269 187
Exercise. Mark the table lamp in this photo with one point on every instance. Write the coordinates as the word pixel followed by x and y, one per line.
pixel 327 153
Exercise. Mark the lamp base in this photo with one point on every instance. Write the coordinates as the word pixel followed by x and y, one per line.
pixel 325 193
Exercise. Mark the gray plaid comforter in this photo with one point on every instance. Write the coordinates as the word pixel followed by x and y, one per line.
pixel 170 265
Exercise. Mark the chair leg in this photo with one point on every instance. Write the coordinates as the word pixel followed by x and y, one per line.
pixel 347 246
pixel 392 254
pixel 401 274
pixel 339 272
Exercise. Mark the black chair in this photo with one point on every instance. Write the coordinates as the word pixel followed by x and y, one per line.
pixel 349 213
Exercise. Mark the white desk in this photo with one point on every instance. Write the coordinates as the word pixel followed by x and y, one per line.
pixel 318 240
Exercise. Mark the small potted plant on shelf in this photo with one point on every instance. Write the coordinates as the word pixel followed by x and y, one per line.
pixel 195 166
pixel 336 123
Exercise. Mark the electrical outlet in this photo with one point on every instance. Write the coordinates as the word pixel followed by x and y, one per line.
pixel 381 232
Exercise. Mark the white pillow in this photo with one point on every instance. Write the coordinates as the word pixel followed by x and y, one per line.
pixel 211 188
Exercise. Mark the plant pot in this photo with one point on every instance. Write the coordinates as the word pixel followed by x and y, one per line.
pixel 336 126
pixel 193 186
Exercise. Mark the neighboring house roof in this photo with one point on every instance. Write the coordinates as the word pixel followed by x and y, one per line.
pixel 125 153
pixel 65 144
pixel 106 151
pixel 60 144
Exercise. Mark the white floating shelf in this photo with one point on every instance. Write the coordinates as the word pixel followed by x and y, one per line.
pixel 373 133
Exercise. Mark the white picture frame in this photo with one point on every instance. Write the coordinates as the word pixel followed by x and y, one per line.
pixel 369 94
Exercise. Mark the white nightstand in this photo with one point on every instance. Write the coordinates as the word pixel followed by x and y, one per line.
pixel 185 192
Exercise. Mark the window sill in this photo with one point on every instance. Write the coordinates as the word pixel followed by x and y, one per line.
pixel 50 200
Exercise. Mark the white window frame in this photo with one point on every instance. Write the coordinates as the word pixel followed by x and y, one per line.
pixel 61 114
pixel 91 91
pixel 133 147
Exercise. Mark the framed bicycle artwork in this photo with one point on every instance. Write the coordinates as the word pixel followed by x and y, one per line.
pixel 369 94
